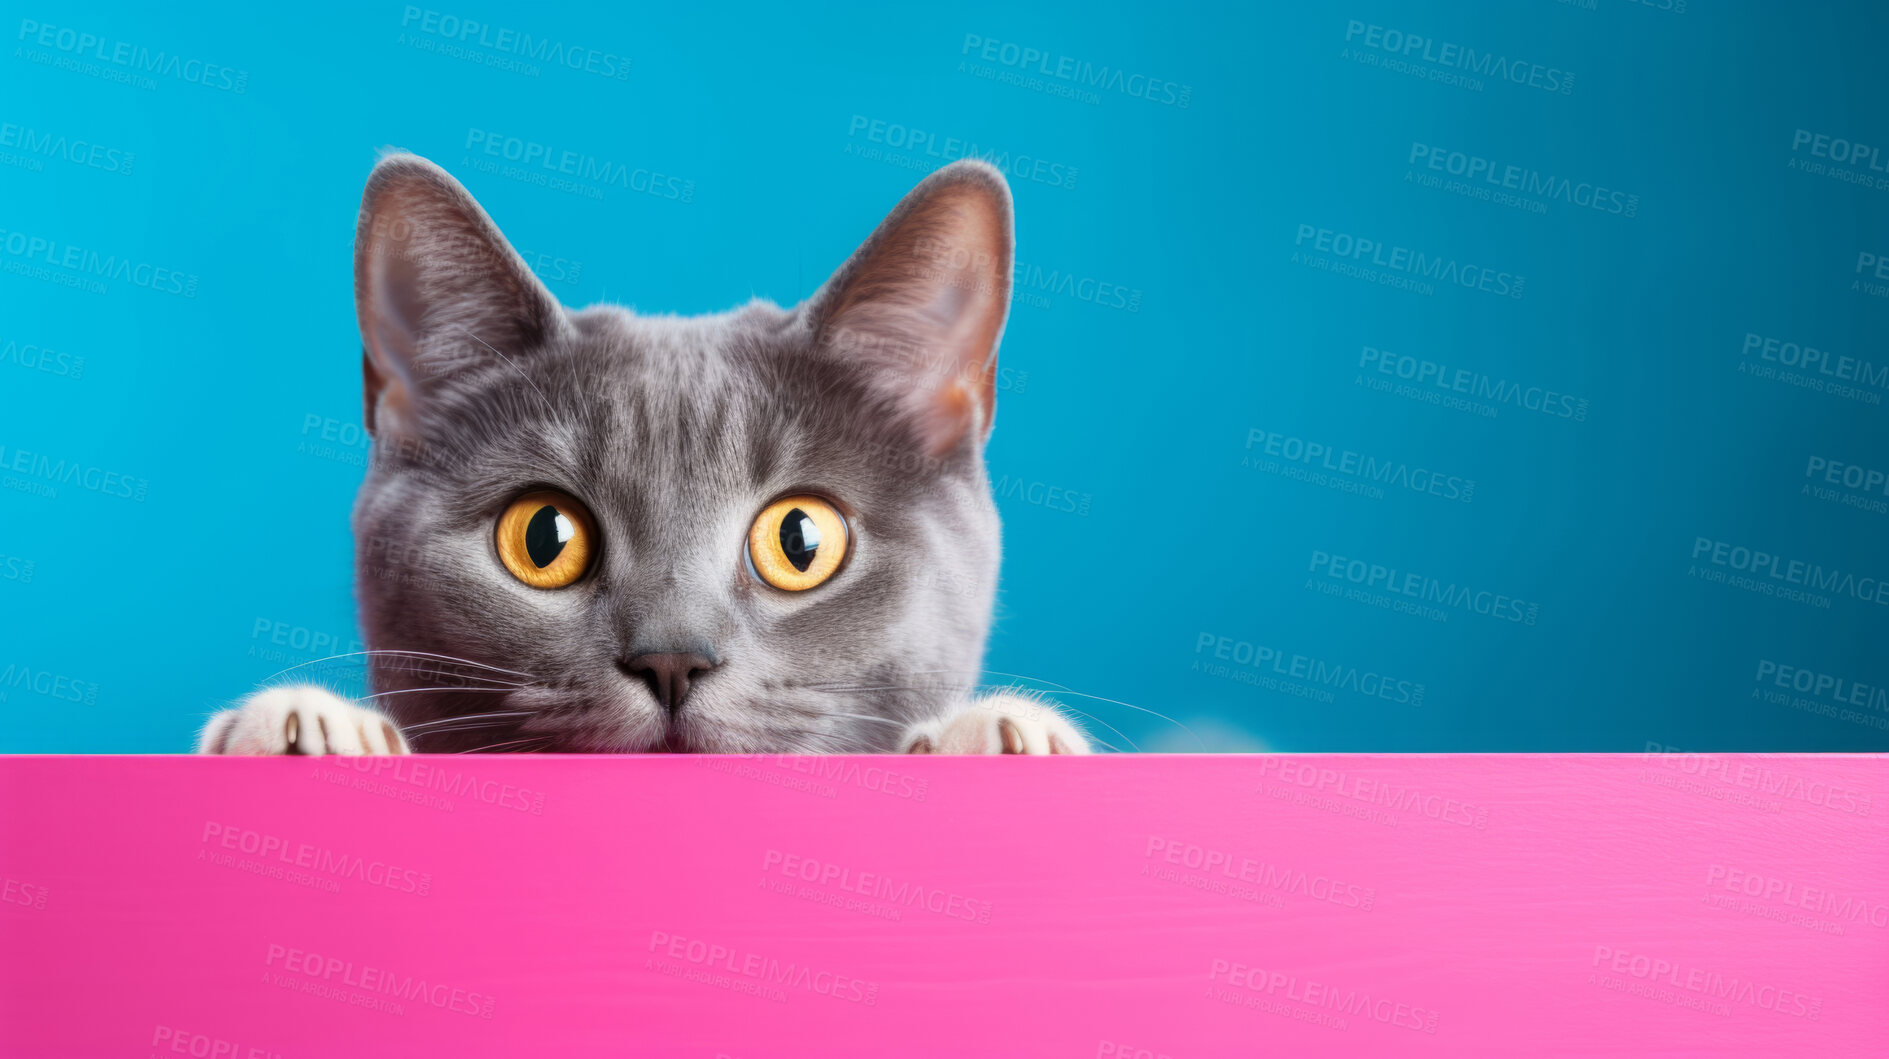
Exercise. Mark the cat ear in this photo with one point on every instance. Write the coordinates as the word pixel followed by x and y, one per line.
pixel 924 300
pixel 437 289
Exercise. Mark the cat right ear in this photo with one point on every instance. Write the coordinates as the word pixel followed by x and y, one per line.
pixel 923 301
pixel 437 290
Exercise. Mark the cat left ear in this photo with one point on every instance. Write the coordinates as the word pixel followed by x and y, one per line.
pixel 437 289
pixel 924 301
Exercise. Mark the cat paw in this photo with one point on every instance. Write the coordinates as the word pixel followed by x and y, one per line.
pixel 1005 723
pixel 300 720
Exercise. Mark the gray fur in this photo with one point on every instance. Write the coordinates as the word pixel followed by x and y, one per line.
pixel 675 432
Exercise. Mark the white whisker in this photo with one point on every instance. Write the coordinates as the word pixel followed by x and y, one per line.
pixel 497 746
pixel 499 717
pixel 393 652
pixel 861 717
pixel 548 406
pixel 449 687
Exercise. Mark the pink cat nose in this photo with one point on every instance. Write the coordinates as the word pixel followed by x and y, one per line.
pixel 668 675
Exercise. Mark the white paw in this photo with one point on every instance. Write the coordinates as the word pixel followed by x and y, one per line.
pixel 300 720
pixel 1004 723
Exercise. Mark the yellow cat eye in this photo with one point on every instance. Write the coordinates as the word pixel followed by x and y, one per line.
pixel 546 539
pixel 797 542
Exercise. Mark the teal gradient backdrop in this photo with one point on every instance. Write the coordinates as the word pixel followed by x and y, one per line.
pixel 1382 376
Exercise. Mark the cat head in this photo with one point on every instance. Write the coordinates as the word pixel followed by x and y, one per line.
pixel 768 530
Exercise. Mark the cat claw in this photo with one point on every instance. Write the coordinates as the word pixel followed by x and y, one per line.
pixel 301 720
pixel 998 724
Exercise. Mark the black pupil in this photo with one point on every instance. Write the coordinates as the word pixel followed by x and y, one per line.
pixel 541 537
pixel 800 539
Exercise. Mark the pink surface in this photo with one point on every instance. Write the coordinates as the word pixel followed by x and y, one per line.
pixel 1116 906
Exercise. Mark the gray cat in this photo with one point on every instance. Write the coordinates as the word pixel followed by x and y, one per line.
pixel 764 531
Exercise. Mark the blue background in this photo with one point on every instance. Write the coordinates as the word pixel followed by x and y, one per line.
pixel 234 407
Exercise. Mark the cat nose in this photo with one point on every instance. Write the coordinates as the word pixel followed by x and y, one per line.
pixel 668 675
